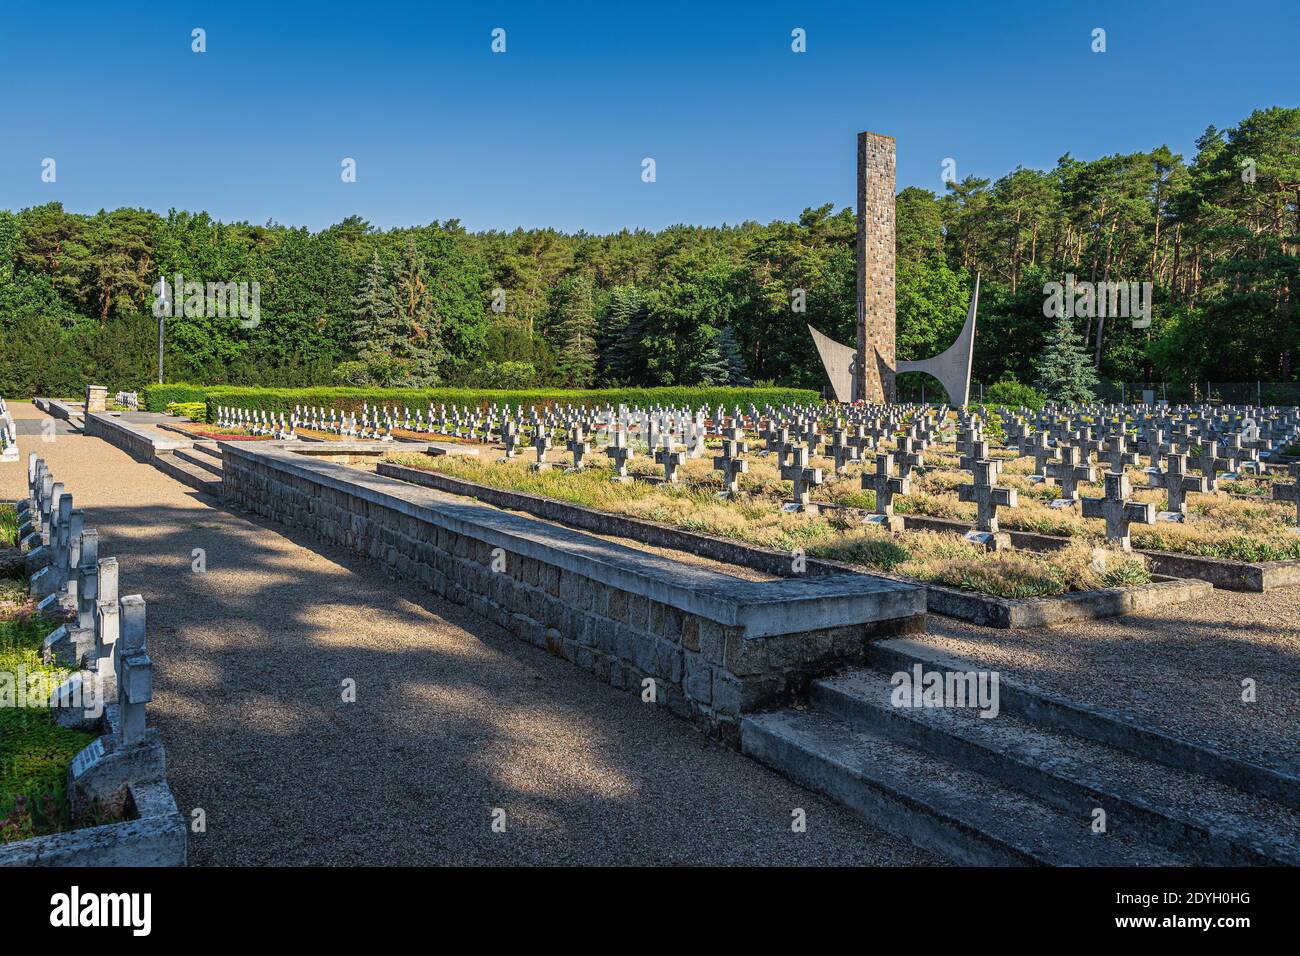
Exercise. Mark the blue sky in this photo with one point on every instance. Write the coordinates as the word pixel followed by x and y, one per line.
pixel 553 132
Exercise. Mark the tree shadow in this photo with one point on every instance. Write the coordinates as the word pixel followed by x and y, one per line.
pixel 453 719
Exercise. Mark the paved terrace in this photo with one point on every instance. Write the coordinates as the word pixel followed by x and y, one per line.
pixel 453 715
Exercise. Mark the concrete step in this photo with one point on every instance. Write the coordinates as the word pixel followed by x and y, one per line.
pixel 1204 820
pixel 201 460
pixel 1279 782
pixel 966 816
pixel 191 474
pixel 210 448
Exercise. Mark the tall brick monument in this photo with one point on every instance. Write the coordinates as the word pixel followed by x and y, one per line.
pixel 866 373
pixel 876 229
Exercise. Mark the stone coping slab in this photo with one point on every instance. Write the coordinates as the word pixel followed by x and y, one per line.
pixel 59 409
pixel 758 609
pixel 154 836
pixel 141 442
pixel 984 609
pixel 1256 576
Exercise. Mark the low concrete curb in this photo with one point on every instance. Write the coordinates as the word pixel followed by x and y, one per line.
pixel 983 609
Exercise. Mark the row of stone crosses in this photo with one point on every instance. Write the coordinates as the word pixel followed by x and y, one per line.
pixel 102 640
pixel 1220 442
pixel 8 434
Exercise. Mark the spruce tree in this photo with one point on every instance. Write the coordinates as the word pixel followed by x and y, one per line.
pixel 575 333
pixel 618 338
pixel 376 333
pixel 1065 372
pixel 733 363
pixel 421 327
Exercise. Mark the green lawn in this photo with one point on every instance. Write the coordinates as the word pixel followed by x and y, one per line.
pixel 34 750
pixel 8 526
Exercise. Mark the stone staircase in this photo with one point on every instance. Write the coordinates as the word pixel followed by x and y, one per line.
pixel 1022 788
pixel 199 466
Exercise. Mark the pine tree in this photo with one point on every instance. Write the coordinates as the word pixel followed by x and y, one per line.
pixel 1065 372
pixel 575 333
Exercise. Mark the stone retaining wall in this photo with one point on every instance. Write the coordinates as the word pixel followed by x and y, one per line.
pixel 713 645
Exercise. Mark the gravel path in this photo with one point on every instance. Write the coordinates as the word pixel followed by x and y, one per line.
pixel 453 716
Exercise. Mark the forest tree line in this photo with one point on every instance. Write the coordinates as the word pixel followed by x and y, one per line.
pixel 1217 235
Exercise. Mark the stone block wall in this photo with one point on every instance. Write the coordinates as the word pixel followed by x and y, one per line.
pixel 875 267
pixel 622 615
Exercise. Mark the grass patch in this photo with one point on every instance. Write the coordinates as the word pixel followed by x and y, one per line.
pixel 953 561
pixel 1218 525
pixel 8 526
pixel 34 751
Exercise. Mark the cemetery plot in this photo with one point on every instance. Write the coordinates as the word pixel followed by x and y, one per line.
pixel 1218 524
pixel 1206 492
pixel 34 750
pixel 834 533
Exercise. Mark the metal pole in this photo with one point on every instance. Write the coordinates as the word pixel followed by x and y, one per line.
pixel 160 349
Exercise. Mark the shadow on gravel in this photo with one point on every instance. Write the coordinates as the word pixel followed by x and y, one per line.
pixel 454 719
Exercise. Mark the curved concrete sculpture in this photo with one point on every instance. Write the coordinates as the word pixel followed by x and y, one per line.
pixel 841 365
pixel 951 367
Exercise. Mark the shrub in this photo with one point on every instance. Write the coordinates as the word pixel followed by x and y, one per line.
pixel 508 374
pixel 1009 392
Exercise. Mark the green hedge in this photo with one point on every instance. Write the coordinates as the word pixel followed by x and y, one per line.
pixel 157 397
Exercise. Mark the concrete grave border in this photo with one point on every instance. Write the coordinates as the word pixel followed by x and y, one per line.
pixel 155 835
